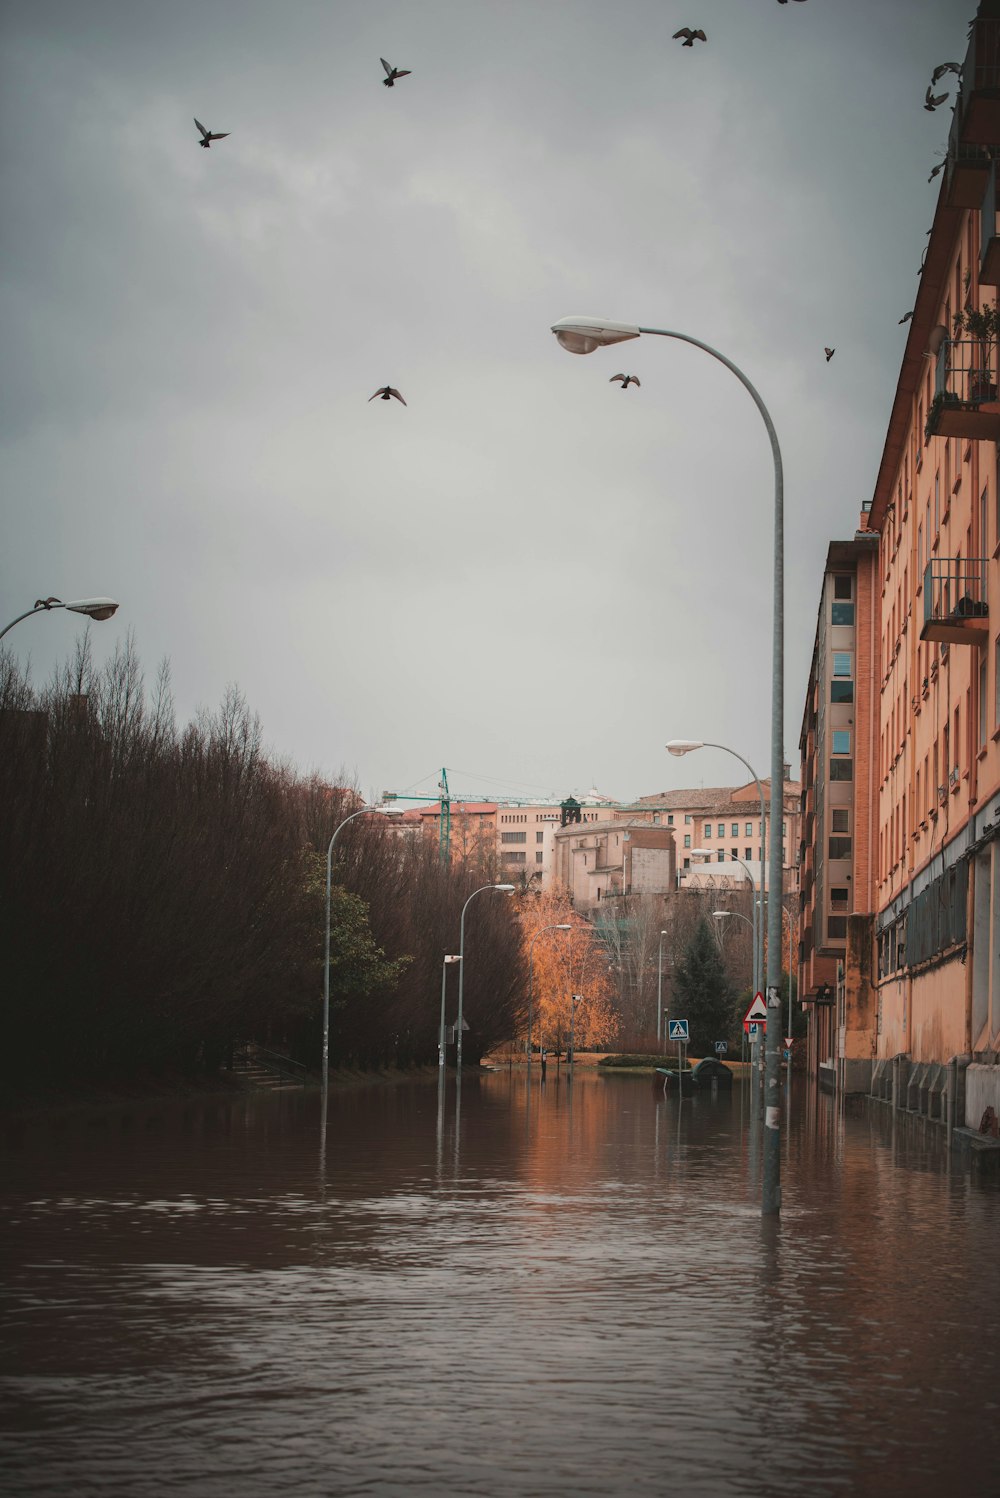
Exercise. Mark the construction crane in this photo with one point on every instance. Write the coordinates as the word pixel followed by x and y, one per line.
pixel 444 798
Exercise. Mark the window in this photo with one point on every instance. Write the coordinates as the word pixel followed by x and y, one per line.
pixel 749 829
pixel 513 837
pixel 996 698
pixel 840 819
pixel 838 897
pixel 687 839
pixel 736 829
pixel 841 741
pixel 670 819
pixel 842 663
pixel 842 585
pixel 748 854
pixel 539 837
pixel 983 672
pixel 511 857
pixel 539 857
pixel 836 927
pixel 708 829
pixel 734 852
pixel 656 819
pixel 841 691
pixel 722 829
pixel 842 613
pixel 784 829
pixel 840 847
pixel 687 819
pixel 687 863
pixel 841 769
pixel 721 857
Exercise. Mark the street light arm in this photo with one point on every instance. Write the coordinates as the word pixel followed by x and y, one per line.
pixel 326 947
pixel 94 608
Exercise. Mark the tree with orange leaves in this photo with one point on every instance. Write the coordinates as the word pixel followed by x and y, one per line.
pixel 563 963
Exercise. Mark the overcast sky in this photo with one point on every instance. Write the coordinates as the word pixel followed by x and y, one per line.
pixel 526 574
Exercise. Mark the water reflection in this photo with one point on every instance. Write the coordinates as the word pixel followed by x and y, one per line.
pixel 495 1291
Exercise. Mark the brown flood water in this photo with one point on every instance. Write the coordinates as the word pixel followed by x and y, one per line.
pixel 569 1293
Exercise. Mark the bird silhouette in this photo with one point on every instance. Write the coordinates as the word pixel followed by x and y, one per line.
pixel 393 73
pixel 207 136
pixel 829 352
pixel 626 380
pixel 905 318
pixel 932 100
pixel 690 37
pixel 945 67
pixel 385 391
pixel 46 603
pixel 935 170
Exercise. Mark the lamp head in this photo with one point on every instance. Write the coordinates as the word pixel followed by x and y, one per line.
pixel 94 608
pixel 581 335
pixel 564 926
pixel 683 746
pixel 720 915
pixel 700 852
pixel 508 889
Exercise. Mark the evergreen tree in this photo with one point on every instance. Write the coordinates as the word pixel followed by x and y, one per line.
pixel 703 994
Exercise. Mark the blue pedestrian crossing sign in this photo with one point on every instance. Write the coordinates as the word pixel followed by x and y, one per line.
pixel 678 1030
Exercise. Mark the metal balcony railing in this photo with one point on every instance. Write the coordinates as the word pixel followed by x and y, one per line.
pixel 956 609
pixel 965 391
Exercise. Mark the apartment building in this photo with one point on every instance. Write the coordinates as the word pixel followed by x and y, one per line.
pixel 836 861
pixel 934 947
pixel 725 821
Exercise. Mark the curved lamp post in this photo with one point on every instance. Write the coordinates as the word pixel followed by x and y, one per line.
pixel 581 335
pixel 507 889
pixel 561 926
pixel 361 812
pixel 94 608
pixel 680 747
pixel 756 924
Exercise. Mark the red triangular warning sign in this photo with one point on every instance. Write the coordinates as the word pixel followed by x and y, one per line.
pixel 757 1010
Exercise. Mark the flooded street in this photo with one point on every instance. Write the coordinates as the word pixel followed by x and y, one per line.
pixel 571 1292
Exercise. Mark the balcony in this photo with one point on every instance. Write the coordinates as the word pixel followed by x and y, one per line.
pixel 965 392
pixel 978 107
pixel 955 607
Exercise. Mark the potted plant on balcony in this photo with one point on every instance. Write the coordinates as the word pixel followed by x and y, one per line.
pixel 983 325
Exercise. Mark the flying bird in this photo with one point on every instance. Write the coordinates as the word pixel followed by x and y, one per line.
pixel 393 73
pixel 385 391
pixel 626 380
pixel 905 318
pixel 690 37
pixel 932 100
pixel 945 67
pixel 829 352
pixel 207 136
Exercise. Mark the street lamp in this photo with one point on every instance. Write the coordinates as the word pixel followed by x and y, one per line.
pixel 362 811
pixel 561 926
pixel 94 608
pixel 507 889
pixel 659 990
pixel 574 999
pixel 444 975
pixel 681 747
pixel 755 924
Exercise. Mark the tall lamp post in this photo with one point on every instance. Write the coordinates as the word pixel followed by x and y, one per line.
pixel 361 812
pixel 507 889
pixel 94 608
pixel 755 924
pixel 681 747
pixel 444 978
pixel 560 926
pixel 659 990
pixel 581 335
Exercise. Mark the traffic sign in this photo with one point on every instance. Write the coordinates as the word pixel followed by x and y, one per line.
pixel 752 1026
pixel 788 1042
pixel 721 1047
pixel 678 1029
pixel 757 1010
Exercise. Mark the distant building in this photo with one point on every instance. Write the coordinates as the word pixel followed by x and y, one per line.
pixel 606 859
pixel 726 821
